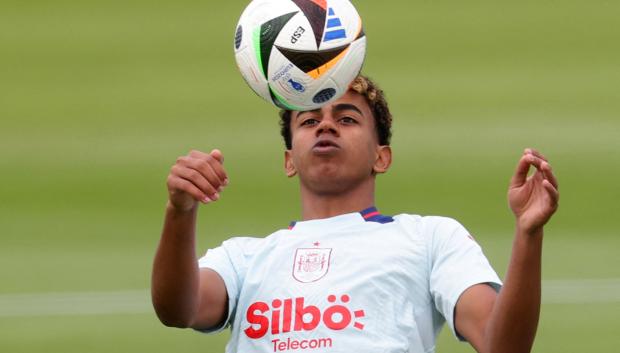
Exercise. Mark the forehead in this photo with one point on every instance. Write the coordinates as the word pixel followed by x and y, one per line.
pixel 351 98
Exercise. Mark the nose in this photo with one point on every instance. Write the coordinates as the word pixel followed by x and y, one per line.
pixel 327 125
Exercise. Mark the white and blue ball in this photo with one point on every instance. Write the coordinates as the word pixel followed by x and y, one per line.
pixel 300 54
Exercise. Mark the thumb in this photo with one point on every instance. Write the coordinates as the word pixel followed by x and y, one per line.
pixel 217 154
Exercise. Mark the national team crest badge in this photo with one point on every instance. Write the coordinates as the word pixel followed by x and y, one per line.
pixel 311 264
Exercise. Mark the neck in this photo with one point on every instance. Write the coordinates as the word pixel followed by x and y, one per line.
pixel 316 205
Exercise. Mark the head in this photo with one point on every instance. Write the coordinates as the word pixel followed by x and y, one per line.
pixel 376 101
pixel 341 145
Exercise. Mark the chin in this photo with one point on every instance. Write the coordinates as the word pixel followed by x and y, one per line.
pixel 330 183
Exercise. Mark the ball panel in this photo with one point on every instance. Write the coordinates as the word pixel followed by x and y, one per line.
pixel 260 11
pixel 268 33
pixel 315 13
pixel 321 3
pixel 238 36
pixel 297 34
pixel 342 24
pixel 323 69
pixel 258 51
pixel 349 66
pixel 324 95
pixel 281 101
pixel 328 91
pixel 247 66
pixel 287 80
pixel 311 61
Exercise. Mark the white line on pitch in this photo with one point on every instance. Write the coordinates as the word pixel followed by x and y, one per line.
pixel 581 291
pixel 75 303
pixel 569 291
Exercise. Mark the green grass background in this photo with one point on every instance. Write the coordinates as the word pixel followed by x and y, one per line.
pixel 98 98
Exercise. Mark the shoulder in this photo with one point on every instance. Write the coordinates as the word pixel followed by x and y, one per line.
pixel 437 233
pixel 428 226
pixel 243 242
pixel 249 245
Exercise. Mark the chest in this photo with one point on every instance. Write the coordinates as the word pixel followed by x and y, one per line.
pixel 346 288
pixel 366 262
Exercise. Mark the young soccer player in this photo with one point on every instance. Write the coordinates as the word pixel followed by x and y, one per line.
pixel 347 278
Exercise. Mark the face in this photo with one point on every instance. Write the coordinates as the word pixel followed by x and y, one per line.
pixel 336 147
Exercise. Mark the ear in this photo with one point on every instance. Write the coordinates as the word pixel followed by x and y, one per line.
pixel 384 159
pixel 288 164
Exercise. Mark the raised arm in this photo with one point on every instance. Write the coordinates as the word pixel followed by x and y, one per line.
pixel 182 294
pixel 507 322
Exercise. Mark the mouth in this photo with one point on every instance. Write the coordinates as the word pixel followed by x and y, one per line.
pixel 325 147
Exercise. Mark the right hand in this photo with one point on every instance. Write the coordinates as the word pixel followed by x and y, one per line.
pixel 197 177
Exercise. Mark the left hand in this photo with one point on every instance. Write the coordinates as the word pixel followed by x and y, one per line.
pixel 533 199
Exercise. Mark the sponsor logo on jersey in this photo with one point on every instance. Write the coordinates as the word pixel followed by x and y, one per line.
pixel 311 264
pixel 288 344
pixel 293 315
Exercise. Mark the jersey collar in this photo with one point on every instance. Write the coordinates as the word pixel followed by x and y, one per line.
pixel 370 214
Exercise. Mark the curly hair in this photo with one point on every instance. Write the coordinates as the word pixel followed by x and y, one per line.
pixel 376 101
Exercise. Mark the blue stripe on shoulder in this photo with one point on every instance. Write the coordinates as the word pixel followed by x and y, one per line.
pixel 380 219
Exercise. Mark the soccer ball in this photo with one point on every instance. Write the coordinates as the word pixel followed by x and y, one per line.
pixel 300 54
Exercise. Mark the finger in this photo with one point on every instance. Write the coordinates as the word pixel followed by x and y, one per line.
pixel 219 168
pixel 548 173
pixel 535 153
pixel 553 193
pixel 212 170
pixel 183 185
pixel 217 154
pixel 520 175
pixel 208 166
pixel 197 154
pixel 197 179
pixel 213 178
pixel 215 160
pixel 536 161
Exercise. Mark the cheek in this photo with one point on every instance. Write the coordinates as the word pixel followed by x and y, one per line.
pixel 365 153
pixel 370 145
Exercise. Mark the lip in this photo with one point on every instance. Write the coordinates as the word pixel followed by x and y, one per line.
pixel 325 146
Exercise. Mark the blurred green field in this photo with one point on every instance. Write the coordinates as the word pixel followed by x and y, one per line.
pixel 98 98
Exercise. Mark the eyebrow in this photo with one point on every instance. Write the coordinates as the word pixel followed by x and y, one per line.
pixel 337 108
pixel 307 111
pixel 346 106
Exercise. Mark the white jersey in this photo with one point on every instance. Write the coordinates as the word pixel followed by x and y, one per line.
pixel 359 282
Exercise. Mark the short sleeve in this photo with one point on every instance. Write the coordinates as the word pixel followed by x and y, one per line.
pixel 456 263
pixel 229 260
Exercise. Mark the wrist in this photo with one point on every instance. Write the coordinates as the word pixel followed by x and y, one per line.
pixel 181 210
pixel 528 230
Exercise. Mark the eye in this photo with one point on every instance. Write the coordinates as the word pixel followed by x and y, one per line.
pixel 347 120
pixel 309 122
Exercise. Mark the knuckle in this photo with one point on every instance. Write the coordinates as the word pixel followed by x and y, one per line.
pixel 196 193
pixel 181 183
pixel 208 158
pixel 209 188
pixel 195 164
